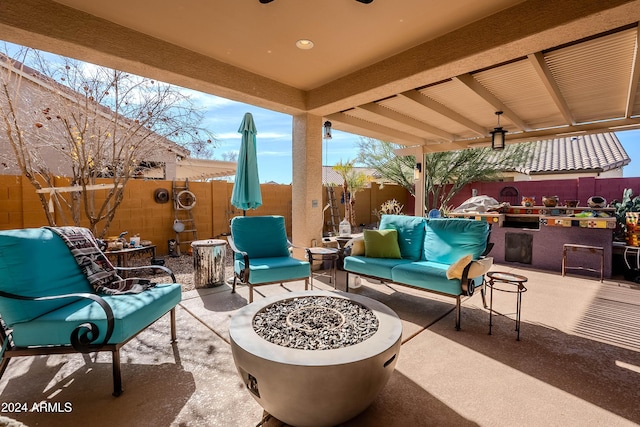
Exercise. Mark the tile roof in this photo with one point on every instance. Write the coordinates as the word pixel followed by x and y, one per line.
pixel 584 153
pixel 331 176
pixel 596 152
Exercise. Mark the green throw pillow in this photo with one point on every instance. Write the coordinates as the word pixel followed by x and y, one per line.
pixel 381 244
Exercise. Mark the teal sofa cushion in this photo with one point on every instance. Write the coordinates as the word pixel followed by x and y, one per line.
pixel 428 275
pixel 376 267
pixel 449 239
pixel 132 312
pixel 36 262
pixel 280 269
pixel 260 236
pixel 410 230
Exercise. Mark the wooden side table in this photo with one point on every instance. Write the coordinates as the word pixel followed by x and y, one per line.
pixel 506 282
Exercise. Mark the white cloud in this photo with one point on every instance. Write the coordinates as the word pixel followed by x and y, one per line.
pixel 273 135
pixel 273 154
pixel 205 100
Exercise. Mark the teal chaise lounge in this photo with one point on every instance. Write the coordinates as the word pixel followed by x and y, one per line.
pixel 47 305
pixel 262 253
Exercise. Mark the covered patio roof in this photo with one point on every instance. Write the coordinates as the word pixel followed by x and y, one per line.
pixel 427 74
pixel 196 169
pixel 420 73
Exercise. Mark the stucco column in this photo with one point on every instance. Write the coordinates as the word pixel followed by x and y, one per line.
pixel 307 181
pixel 419 183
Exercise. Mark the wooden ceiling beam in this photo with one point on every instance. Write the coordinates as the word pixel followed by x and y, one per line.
pixel 481 91
pixel 429 103
pixel 541 68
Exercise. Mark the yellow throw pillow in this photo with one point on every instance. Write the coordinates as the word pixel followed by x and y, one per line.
pixel 480 267
pixel 455 270
pixel 381 244
pixel 357 248
pixel 477 269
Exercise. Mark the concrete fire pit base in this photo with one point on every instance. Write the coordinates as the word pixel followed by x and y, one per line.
pixel 315 387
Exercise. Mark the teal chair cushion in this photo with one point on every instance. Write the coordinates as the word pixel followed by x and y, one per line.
pixel 36 262
pixel 376 267
pixel 279 269
pixel 132 312
pixel 260 236
pixel 410 233
pixel 449 239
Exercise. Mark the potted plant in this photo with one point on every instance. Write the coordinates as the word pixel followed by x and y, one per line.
pixel 627 205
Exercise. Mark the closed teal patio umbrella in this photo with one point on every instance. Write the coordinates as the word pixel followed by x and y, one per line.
pixel 246 189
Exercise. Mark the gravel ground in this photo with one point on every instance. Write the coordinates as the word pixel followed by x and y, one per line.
pixel 182 268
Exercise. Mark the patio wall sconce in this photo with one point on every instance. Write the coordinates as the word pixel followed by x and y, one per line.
pixel 327 130
pixel 417 171
pixel 498 135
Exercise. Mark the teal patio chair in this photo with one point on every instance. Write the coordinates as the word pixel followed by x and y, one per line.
pixel 47 305
pixel 262 253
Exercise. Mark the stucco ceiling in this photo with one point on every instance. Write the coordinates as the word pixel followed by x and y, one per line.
pixel 428 73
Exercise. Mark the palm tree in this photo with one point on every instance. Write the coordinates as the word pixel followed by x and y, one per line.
pixel 352 182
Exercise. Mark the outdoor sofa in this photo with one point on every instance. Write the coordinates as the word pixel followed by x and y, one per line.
pixel 446 256
pixel 48 306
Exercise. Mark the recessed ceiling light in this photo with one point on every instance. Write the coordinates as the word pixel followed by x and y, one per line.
pixel 304 44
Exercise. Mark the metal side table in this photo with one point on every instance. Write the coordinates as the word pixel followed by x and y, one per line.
pixel 318 253
pixel 506 282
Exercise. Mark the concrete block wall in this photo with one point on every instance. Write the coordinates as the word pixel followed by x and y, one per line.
pixel 139 213
pixel 566 189
pixel 369 199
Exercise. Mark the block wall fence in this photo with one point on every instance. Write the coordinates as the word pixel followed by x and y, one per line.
pixel 139 213
pixel 566 189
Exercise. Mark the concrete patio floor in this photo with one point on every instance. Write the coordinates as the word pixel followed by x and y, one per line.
pixel 577 364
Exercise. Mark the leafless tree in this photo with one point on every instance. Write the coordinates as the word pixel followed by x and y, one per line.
pixel 93 125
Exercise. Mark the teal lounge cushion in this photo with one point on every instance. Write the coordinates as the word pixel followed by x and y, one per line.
pixel 132 313
pixel 280 269
pixel 410 233
pixel 449 239
pixel 36 262
pixel 381 244
pixel 260 236
pixel 376 267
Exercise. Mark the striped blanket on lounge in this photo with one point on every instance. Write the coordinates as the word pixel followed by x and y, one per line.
pixel 95 265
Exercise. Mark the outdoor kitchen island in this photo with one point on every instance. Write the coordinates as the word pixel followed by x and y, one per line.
pixel 535 237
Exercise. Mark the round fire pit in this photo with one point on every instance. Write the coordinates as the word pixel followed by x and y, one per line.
pixel 315 358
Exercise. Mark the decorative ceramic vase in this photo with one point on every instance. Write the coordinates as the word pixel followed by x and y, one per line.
pixel 597 202
pixel 528 201
pixel 571 203
pixel 550 201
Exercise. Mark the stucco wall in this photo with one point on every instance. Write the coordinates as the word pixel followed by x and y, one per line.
pixel 140 214
pixel 566 189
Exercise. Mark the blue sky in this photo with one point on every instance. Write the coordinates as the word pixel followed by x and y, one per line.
pixel 223 118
